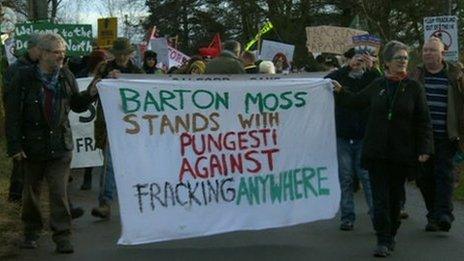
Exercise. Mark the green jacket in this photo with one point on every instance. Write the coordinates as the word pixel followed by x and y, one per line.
pixel 455 115
pixel 26 126
pixel 226 63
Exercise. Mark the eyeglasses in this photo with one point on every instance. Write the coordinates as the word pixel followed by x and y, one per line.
pixel 400 58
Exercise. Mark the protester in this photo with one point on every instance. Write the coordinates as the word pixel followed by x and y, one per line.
pixel 398 137
pixel 29 58
pixel 95 58
pixel 38 134
pixel 249 59
pixel 149 63
pixel 266 67
pixel 444 82
pixel 228 61
pixel 351 126
pixel 197 67
pixel 122 51
pixel 281 63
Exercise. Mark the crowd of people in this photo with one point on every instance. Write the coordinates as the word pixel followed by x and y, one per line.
pixel 391 126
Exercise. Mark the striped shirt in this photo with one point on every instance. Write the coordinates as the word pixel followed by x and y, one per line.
pixel 436 89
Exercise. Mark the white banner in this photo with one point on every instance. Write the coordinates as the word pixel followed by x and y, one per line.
pixel 176 57
pixel 195 158
pixel 82 125
pixel 270 48
pixel 445 28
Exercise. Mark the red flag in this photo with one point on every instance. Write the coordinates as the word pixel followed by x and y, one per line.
pixel 216 43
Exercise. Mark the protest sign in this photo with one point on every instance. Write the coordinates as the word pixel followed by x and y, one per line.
pixel 176 57
pixel 107 31
pixel 85 154
pixel 78 37
pixel 195 157
pixel 270 48
pixel 445 28
pixel 367 43
pixel 167 55
pixel 330 39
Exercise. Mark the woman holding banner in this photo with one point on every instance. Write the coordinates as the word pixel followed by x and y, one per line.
pixel 398 138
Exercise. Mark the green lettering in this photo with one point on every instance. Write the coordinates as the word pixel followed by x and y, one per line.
pixel 289 102
pixel 149 99
pixel 242 191
pixel 301 99
pixel 276 102
pixel 253 186
pixel 129 95
pixel 297 182
pixel 222 100
pixel 320 178
pixel 307 181
pixel 288 185
pixel 258 99
pixel 181 96
pixel 165 96
pixel 276 189
pixel 208 105
pixel 263 181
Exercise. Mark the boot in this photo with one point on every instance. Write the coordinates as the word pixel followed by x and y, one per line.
pixel 103 211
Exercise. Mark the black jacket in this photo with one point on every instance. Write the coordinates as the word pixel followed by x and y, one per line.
pixel 407 134
pixel 351 123
pixel 26 126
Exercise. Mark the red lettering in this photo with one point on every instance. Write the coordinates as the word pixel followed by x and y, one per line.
pixel 185 140
pixel 205 172
pixel 185 167
pixel 214 165
pixel 270 159
pixel 249 157
pixel 242 141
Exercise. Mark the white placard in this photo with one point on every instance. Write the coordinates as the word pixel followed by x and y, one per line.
pixel 195 157
pixel 270 48
pixel 85 154
pixel 445 28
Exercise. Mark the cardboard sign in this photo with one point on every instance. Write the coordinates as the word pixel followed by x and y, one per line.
pixel 367 44
pixel 195 157
pixel 445 28
pixel 107 31
pixel 78 37
pixel 330 39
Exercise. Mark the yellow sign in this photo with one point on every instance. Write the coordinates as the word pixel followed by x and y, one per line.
pixel 107 31
pixel 266 28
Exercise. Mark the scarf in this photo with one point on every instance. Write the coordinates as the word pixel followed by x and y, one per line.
pixel 51 95
pixel 396 77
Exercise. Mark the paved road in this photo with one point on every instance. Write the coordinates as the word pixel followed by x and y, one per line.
pixel 96 240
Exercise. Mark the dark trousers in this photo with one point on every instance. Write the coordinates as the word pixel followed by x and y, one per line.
pixel 387 185
pixel 435 180
pixel 56 173
pixel 16 182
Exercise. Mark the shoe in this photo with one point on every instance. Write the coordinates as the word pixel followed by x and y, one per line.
pixel 391 246
pixel 444 224
pixel 381 251
pixel 346 226
pixel 431 226
pixel 103 211
pixel 86 186
pixel 64 247
pixel 30 242
pixel 404 214
pixel 77 212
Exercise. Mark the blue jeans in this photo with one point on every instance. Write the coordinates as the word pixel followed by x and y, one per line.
pixel 349 164
pixel 107 182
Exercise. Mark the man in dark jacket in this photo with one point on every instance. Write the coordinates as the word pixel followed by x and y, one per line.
pixel 228 61
pixel 28 59
pixel 122 51
pixel 444 86
pixel 38 134
pixel 351 125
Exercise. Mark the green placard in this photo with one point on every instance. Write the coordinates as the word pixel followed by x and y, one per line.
pixel 77 36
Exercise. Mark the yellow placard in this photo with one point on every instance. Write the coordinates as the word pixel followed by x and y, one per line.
pixel 107 31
